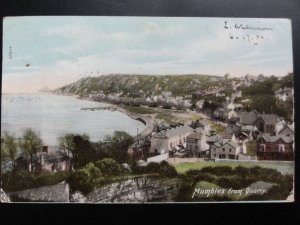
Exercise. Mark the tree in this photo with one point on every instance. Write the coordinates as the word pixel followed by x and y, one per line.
pixel 84 152
pixel 10 148
pixel 31 144
pixel 66 143
pixel 117 145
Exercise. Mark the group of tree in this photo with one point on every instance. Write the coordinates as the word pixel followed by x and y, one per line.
pixel 262 96
pixel 29 144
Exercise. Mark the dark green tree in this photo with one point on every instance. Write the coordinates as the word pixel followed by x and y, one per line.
pixel 117 145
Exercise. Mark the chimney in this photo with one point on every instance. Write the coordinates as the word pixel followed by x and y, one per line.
pixel 42 159
pixel 45 149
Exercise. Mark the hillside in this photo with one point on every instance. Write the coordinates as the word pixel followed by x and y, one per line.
pixel 136 86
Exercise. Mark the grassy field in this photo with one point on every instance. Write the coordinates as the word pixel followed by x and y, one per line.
pixel 139 110
pixel 218 127
pixel 283 167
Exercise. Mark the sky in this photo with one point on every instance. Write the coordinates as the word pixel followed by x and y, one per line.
pixel 54 51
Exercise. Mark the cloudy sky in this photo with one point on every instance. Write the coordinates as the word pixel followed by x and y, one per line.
pixel 54 51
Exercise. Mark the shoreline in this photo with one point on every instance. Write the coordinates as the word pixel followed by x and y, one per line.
pixel 148 121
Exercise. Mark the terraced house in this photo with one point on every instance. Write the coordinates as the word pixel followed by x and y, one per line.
pixel 167 138
pixel 275 147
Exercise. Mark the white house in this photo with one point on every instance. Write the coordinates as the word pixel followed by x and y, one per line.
pixel 227 150
pixel 285 94
pixel 167 138
pixel 199 104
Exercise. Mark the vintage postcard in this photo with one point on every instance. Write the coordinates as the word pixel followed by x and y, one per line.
pixel 103 109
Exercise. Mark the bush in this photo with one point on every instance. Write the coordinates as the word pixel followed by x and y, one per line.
pixel 167 170
pixel 163 168
pixel 85 179
pixel 109 167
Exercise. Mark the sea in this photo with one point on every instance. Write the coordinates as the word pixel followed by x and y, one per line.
pixel 52 116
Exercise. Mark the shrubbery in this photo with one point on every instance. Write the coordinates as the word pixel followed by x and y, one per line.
pixel 86 178
pixel 109 167
pixel 163 168
pixel 94 174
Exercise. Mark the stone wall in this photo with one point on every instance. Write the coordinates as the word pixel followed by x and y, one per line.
pixel 138 190
pixel 54 193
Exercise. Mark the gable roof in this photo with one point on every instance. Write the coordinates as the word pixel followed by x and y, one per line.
pixel 248 118
pixel 195 135
pixel 50 157
pixel 269 118
pixel 291 127
pixel 271 139
pixel 173 131
pixel 283 90
pixel 219 144
pixel 226 136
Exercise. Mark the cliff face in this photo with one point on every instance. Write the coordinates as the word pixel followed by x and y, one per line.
pixel 137 190
pixel 54 193
pixel 139 86
pixel 4 197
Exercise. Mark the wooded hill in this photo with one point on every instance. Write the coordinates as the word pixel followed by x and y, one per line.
pixel 137 86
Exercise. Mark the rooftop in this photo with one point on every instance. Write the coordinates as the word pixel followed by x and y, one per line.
pixel 275 138
pixel 195 135
pixel 269 118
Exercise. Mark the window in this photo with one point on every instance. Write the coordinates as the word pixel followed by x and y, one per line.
pixel 230 150
pixel 231 156
pixel 223 149
pixel 281 148
pixel 262 147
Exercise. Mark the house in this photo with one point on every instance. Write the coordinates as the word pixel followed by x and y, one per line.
pixel 250 130
pixel 199 104
pixel 202 126
pixel 224 150
pixel 233 128
pixel 276 147
pixel 50 159
pixel 266 123
pixel 196 144
pixel 236 94
pixel 230 106
pixel 167 138
pixel 248 118
pixel 224 114
pixel 288 130
pixel 285 94
pixel 210 139
pixel 220 94
pixel 166 94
